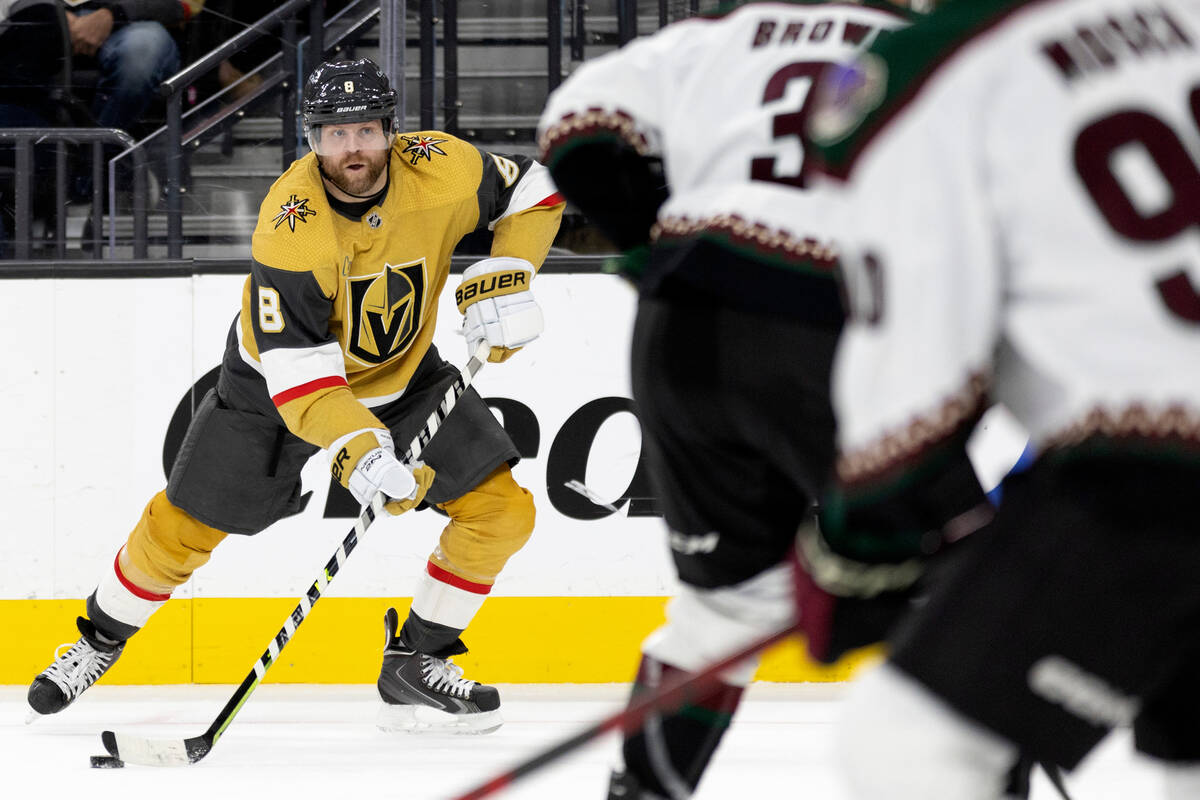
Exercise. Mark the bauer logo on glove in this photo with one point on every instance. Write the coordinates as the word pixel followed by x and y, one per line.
pixel 376 469
pixel 493 285
pixel 498 307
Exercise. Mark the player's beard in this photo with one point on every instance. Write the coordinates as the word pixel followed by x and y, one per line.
pixel 340 172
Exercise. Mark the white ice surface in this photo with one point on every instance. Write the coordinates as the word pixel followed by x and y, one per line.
pixel 321 742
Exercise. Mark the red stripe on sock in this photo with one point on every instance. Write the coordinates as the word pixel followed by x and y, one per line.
pixel 439 574
pixel 133 587
pixel 307 388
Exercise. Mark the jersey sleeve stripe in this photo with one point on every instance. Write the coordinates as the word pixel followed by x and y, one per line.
pixel 303 389
pixel 895 453
pixel 289 369
pixel 593 124
pixel 552 200
pixel 534 189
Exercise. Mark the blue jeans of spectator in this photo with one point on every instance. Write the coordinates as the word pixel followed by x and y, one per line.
pixel 133 61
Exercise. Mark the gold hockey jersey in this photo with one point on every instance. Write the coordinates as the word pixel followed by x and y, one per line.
pixel 337 313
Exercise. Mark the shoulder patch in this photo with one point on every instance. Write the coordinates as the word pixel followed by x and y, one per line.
pixel 418 146
pixel 846 95
pixel 858 101
pixel 292 210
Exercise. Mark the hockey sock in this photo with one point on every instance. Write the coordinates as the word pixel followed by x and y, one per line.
pixel 671 751
pixel 424 636
pixel 108 630
pixel 118 608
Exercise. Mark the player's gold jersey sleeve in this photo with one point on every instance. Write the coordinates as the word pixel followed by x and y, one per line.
pixel 519 203
pixel 530 233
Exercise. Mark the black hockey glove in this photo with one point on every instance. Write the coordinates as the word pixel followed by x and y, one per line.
pixel 618 190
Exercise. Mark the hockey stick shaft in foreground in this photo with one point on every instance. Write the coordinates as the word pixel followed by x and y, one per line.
pixel 669 696
pixel 178 752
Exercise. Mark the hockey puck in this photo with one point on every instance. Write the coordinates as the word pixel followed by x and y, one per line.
pixel 107 762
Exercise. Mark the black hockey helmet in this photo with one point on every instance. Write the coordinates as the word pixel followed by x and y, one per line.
pixel 344 92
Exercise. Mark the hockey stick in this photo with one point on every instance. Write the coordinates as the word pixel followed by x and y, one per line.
pixel 179 752
pixel 671 695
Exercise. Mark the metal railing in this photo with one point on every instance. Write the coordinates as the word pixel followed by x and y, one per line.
pixel 173 88
pixel 26 140
pixel 184 267
pixel 282 75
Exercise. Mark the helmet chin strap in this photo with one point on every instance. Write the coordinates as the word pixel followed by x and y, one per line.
pixel 325 176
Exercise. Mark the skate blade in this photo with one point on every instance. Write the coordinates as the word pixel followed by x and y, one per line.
pixel 426 720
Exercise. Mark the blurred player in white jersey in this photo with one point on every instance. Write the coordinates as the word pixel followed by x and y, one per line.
pixel 684 147
pixel 1020 189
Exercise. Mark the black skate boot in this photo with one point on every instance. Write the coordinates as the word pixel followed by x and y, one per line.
pixel 623 786
pixel 73 671
pixel 426 692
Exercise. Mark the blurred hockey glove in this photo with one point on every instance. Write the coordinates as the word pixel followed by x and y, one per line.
pixel 498 307
pixel 365 463
pixel 844 603
pixel 875 551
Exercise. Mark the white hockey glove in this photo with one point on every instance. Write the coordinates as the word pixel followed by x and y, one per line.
pixel 378 470
pixel 498 307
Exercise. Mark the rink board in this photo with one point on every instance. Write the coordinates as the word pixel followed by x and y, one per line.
pixel 100 390
pixel 513 640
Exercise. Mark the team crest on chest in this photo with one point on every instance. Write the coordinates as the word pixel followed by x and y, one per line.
pixel 374 220
pixel 419 147
pixel 384 311
pixel 293 210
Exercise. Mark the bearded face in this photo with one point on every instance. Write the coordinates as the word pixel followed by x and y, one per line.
pixel 353 157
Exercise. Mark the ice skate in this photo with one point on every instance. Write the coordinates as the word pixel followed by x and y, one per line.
pixel 73 671
pixel 424 692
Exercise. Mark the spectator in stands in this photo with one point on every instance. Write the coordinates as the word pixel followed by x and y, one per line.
pixel 131 46
pixel 30 39
pixel 129 43
pixel 224 19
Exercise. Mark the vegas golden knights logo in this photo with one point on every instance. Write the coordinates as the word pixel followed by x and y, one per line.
pixel 385 312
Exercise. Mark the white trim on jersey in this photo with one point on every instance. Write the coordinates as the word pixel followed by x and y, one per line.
pixel 534 187
pixel 250 360
pixel 289 367
pixel 382 400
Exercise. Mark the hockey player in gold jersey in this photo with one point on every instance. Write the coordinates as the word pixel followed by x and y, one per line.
pixel 333 350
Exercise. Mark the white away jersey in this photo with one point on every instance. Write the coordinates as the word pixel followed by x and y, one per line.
pixel 1022 216
pixel 732 165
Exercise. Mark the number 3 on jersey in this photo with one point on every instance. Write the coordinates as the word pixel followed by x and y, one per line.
pixel 270 314
pixel 787 126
